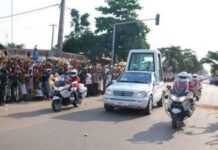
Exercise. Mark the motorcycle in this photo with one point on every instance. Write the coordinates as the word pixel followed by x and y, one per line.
pixel 179 104
pixel 66 94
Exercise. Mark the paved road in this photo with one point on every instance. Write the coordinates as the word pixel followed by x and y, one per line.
pixel 33 126
pixel 209 96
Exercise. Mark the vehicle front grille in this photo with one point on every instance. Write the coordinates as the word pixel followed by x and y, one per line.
pixel 123 93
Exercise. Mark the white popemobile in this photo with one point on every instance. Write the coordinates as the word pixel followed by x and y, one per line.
pixel 141 86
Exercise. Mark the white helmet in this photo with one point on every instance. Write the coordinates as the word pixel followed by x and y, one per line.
pixel 184 75
pixel 73 73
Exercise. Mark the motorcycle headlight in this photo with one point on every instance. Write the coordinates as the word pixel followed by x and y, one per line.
pixel 141 94
pixel 178 99
pixel 181 99
pixel 172 97
pixel 109 92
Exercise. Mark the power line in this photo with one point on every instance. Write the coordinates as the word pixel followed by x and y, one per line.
pixel 29 11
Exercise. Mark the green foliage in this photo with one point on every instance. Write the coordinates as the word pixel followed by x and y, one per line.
pixel 178 59
pixel 128 36
pixel 212 59
pixel 13 45
pixel 2 46
pixel 81 39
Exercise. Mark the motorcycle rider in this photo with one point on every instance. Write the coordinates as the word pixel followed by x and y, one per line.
pixel 74 80
pixel 182 83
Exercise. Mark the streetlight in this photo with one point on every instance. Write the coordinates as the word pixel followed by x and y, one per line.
pixel 157 22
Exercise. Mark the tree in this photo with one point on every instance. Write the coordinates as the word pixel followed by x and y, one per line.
pixel 81 39
pixel 212 59
pixel 178 59
pixel 128 36
pixel 2 46
pixel 13 45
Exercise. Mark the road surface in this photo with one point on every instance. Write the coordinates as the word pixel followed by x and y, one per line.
pixel 33 126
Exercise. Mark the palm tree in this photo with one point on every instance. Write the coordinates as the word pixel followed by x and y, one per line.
pixel 172 58
pixel 212 59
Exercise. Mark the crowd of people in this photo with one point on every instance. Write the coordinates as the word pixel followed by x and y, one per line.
pixel 26 78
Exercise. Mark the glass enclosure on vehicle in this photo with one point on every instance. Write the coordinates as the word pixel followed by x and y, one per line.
pixel 135 77
pixel 142 62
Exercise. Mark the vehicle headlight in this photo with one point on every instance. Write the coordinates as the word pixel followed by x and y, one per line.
pixel 141 94
pixel 109 92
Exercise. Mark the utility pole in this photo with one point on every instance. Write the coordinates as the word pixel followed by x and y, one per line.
pixel 52 35
pixel 113 45
pixel 61 29
pixel 12 21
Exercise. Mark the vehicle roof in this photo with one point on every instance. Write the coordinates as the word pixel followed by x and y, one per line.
pixel 139 72
pixel 144 50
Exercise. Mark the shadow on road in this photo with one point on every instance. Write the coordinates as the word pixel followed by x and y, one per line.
pixel 211 129
pixel 158 134
pixel 99 114
pixel 30 114
pixel 36 113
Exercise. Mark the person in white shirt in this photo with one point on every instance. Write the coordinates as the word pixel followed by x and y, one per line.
pixel 88 83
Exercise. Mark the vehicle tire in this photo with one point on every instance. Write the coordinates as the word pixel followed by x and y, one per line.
pixel 108 108
pixel 177 124
pixel 75 104
pixel 149 107
pixel 174 124
pixel 56 105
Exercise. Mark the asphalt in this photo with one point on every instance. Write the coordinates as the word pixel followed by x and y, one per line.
pixel 33 126
pixel 209 97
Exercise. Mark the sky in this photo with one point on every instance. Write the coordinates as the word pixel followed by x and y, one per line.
pixel 186 23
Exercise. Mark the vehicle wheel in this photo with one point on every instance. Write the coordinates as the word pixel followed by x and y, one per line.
pixel 108 107
pixel 149 107
pixel 174 124
pixel 177 124
pixel 75 104
pixel 56 105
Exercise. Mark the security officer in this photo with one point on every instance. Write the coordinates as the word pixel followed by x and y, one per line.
pixel 3 79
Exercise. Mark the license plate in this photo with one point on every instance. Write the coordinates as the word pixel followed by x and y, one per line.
pixel 121 104
pixel 176 110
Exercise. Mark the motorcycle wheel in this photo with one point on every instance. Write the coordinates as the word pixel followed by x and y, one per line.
pixel 174 124
pixel 148 109
pixel 177 124
pixel 56 105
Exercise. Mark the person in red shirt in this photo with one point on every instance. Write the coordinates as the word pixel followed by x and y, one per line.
pixel 73 79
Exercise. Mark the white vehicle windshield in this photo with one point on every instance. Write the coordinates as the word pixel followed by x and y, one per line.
pixel 135 77
pixel 141 62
